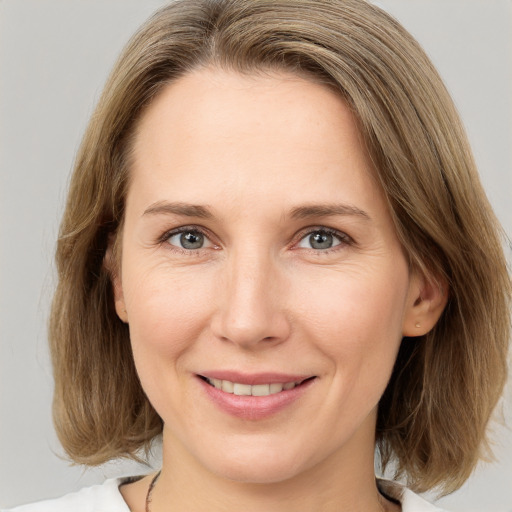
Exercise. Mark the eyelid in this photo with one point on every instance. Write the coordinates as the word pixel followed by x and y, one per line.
pixel 164 238
pixel 343 238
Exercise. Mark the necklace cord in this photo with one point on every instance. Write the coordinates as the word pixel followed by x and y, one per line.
pixel 381 497
pixel 150 490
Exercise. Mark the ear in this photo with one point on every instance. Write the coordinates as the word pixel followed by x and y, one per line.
pixel 426 301
pixel 112 265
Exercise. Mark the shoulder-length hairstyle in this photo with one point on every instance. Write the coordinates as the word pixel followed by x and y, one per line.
pixel 432 418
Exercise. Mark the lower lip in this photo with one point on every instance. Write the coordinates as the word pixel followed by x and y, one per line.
pixel 254 407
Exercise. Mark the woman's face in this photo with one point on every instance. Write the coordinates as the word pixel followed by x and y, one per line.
pixel 259 258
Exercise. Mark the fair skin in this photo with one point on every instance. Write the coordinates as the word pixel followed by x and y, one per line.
pixel 256 248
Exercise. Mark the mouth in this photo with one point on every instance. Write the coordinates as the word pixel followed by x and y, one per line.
pixel 263 389
pixel 254 397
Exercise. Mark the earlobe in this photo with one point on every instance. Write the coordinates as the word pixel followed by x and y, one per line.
pixel 119 299
pixel 426 302
pixel 112 268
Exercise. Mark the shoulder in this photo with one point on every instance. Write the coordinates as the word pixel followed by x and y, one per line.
pixel 98 498
pixel 409 501
pixel 107 498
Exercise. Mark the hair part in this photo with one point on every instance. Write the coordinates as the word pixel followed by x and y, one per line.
pixel 433 416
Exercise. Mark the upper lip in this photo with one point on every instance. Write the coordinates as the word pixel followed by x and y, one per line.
pixel 254 378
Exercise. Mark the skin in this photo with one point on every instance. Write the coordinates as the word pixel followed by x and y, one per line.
pixel 257 296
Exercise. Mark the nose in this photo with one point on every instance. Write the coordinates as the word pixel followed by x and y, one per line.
pixel 251 308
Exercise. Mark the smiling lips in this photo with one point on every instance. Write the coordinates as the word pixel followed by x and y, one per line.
pixel 237 388
pixel 253 397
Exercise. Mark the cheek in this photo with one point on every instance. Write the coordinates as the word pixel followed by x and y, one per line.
pixel 356 320
pixel 355 301
pixel 167 311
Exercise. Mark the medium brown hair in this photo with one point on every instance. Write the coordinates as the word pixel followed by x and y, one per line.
pixel 433 415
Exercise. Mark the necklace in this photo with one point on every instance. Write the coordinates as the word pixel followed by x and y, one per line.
pixel 382 502
pixel 150 490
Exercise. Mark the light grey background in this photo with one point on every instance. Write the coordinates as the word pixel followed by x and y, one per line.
pixel 54 58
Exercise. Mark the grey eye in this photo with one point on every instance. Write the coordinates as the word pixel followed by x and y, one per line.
pixel 320 240
pixel 192 240
pixel 189 240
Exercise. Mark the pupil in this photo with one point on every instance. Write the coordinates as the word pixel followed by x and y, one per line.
pixel 321 240
pixel 191 240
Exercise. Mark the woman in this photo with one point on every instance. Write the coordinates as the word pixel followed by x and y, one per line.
pixel 276 253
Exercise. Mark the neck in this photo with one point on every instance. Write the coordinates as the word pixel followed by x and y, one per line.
pixel 340 483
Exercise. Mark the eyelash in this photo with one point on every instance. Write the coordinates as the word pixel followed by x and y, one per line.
pixel 343 239
pixel 164 239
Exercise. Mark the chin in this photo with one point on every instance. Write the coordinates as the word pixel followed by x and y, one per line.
pixel 260 473
pixel 266 465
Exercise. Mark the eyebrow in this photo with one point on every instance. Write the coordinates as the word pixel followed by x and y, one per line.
pixel 297 213
pixel 185 209
pixel 327 210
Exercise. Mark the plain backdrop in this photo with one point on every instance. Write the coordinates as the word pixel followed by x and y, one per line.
pixel 54 58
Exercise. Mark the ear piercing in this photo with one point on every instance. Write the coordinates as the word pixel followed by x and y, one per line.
pixel 417 325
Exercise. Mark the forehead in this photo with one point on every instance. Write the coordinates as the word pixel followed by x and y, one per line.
pixel 255 132
pixel 219 103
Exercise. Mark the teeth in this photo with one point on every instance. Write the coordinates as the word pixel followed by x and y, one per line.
pixel 241 389
pixel 227 386
pixel 248 390
pixel 260 390
pixel 275 388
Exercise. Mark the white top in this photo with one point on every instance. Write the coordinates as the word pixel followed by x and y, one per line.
pixel 107 498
